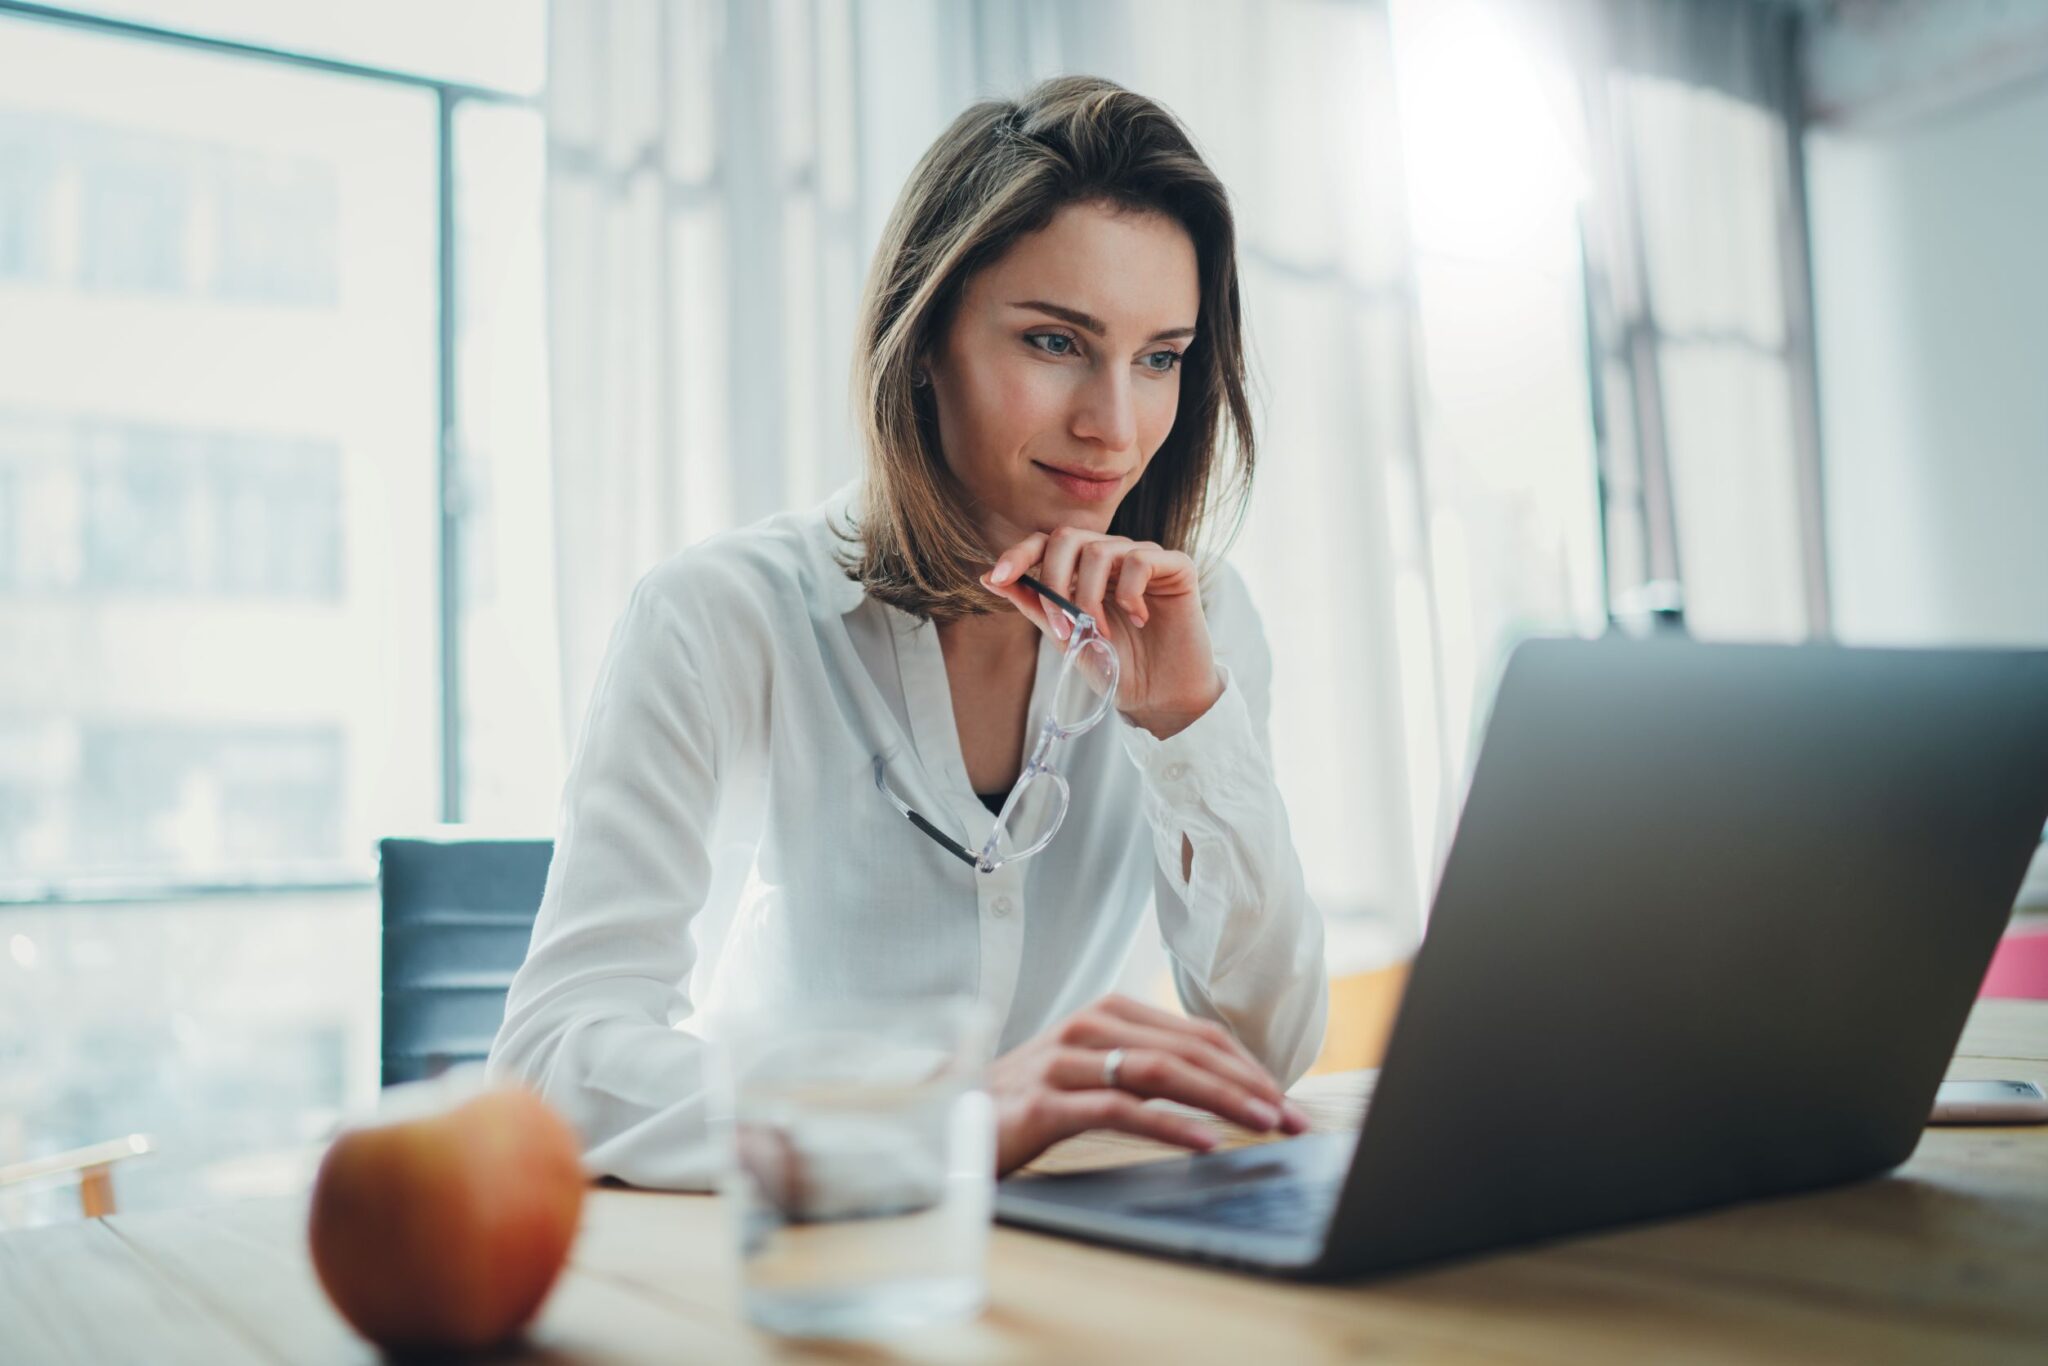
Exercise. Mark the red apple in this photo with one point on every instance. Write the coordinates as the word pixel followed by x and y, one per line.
pixel 448 1231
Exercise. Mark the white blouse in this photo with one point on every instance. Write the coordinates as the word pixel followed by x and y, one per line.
pixel 722 845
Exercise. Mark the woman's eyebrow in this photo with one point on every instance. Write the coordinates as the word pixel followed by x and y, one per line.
pixel 1093 324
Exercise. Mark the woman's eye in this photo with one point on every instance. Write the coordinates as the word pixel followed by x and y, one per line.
pixel 1060 344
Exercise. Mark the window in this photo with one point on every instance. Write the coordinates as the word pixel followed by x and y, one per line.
pixel 493 43
pixel 510 759
pixel 223 502
pixel 1717 296
pixel 226 555
pixel 275 549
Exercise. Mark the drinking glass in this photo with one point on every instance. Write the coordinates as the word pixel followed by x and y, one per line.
pixel 860 1169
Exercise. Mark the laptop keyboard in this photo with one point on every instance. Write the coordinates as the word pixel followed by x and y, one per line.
pixel 1275 1206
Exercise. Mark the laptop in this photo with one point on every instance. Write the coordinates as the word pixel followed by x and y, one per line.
pixel 1709 929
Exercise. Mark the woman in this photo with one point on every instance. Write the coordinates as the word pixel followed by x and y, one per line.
pixel 1050 360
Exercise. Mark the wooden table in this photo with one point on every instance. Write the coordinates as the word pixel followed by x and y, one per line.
pixel 1944 1261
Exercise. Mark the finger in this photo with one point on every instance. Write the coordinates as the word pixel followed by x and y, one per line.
pixel 1062 551
pixel 1018 559
pixel 1246 1075
pixel 1132 577
pixel 1098 561
pixel 1025 601
pixel 1073 1112
pixel 1162 572
pixel 1161 1075
pixel 1136 1012
pixel 1171 569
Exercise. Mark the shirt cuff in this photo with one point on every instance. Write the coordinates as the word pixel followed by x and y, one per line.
pixel 1186 768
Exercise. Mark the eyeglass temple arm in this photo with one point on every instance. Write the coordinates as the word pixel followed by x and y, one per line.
pixel 1026 581
pixel 945 841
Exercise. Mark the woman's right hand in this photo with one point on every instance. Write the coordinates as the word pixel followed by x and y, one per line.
pixel 1052 1087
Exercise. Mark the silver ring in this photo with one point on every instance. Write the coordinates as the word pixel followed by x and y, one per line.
pixel 1112 1061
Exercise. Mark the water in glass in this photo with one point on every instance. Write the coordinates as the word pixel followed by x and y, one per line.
pixel 861 1166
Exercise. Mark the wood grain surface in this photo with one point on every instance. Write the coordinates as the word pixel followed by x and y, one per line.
pixel 1944 1261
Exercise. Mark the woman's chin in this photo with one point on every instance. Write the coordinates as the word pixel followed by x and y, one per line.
pixel 1041 515
pixel 1049 514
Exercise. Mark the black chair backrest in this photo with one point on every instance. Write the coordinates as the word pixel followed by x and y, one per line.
pixel 458 915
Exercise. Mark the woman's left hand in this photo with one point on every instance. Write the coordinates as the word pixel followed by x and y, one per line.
pixel 1146 602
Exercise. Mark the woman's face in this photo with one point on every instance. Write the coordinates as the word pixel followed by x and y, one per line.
pixel 1060 375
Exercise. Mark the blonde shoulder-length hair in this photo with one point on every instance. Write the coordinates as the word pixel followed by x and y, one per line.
pixel 1001 171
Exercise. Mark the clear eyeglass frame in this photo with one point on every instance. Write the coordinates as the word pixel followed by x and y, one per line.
pixel 1090 662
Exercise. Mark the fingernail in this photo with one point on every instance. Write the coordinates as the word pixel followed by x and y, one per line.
pixel 1265 1114
pixel 1060 627
pixel 1297 1118
pixel 1001 573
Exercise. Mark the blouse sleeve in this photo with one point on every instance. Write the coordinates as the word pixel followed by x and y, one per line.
pixel 1244 939
pixel 593 1020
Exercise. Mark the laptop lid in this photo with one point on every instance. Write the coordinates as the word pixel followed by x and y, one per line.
pixel 1710 927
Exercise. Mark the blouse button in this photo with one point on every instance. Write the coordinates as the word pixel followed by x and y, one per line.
pixel 1001 906
pixel 1173 773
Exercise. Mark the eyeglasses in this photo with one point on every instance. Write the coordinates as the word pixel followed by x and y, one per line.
pixel 1038 803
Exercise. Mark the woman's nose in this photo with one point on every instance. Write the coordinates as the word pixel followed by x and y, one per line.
pixel 1105 412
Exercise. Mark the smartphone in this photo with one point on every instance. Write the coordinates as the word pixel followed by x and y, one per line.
pixel 1989 1102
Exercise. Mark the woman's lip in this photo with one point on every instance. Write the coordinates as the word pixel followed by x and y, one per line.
pixel 1080 485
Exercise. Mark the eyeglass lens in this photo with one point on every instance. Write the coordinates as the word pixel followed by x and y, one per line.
pixel 1034 811
pixel 1086 685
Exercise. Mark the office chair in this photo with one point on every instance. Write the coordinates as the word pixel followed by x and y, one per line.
pixel 458 914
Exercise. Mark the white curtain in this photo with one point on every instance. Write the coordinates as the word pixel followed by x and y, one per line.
pixel 704 260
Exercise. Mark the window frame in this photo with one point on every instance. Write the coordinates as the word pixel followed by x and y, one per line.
pixel 1629 345
pixel 448 97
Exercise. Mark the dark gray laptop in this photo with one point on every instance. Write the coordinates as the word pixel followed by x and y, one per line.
pixel 1709 930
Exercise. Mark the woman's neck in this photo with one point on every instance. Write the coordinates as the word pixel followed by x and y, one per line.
pixel 998 635
pixel 990 663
